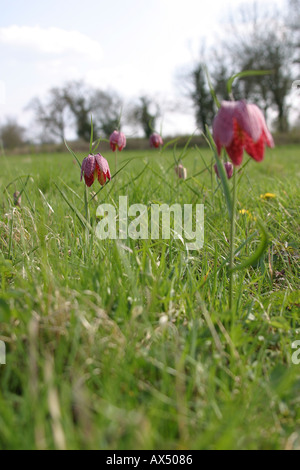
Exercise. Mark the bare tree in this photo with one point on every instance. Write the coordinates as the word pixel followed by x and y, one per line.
pixel 12 134
pixel 145 113
pixel 220 74
pixel 261 43
pixel 72 106
pixel 194 86
pixel 108 111
pixel 201 97
pixel 293 23
pixel 52 116
pixel 84 102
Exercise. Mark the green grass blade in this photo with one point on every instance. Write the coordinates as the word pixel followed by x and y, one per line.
pixel 102 187
pixel 245 73
pixel 211 88
pixel 259 251
pixel 171 142
pixel 222 173
pixel 73 154
pixel 80 217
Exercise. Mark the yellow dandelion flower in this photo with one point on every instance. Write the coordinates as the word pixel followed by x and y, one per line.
pixel 268 196
pixel 245 212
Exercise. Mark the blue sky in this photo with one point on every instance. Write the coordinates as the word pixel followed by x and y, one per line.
pixel 131 46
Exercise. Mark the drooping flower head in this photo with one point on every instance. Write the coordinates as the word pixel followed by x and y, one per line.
pixel 117 140
pixel 240 126
pixel 17 199
pixel 155 140
pixel 95 166
pixel 181 171
pixel 228 168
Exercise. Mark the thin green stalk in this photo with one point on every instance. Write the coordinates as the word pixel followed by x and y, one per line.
pixel 232 239
pixel 212 182
pixel 86 204
pixel 87 216
pixel 11 234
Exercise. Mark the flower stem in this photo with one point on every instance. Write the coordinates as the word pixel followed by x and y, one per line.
pixel 232 239
pixel 87 218
pixel 86 204
pixel 116 161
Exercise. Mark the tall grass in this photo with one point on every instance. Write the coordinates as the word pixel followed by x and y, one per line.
pixel 131 344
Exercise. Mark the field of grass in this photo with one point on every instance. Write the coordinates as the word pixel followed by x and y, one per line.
pixel 123 344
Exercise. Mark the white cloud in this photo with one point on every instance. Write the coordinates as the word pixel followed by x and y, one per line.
pixel 51 40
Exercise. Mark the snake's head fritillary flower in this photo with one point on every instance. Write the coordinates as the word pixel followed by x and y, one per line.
pixel 117 140
pixel 240 126
pixel 95 166
pixel 228 168
pixel 181 171
pixel 155 140
pixel 17 199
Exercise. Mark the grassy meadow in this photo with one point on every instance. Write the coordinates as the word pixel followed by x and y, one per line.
pixel 130 344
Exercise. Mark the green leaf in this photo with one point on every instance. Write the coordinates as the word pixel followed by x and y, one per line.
pixel 96 144
pixel 211 88
pixel 239 248
pixel 245 73
pixel 81 218
pixel 221 170
pixel 171 142
pixel 72 190
pixel 73 154
pixel 135 178
pixel 102 187
pixel 259 251
pixel 16 179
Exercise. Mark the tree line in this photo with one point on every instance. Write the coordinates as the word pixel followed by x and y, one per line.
pixel 268 42
pixel 71 107
pixel 254 41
